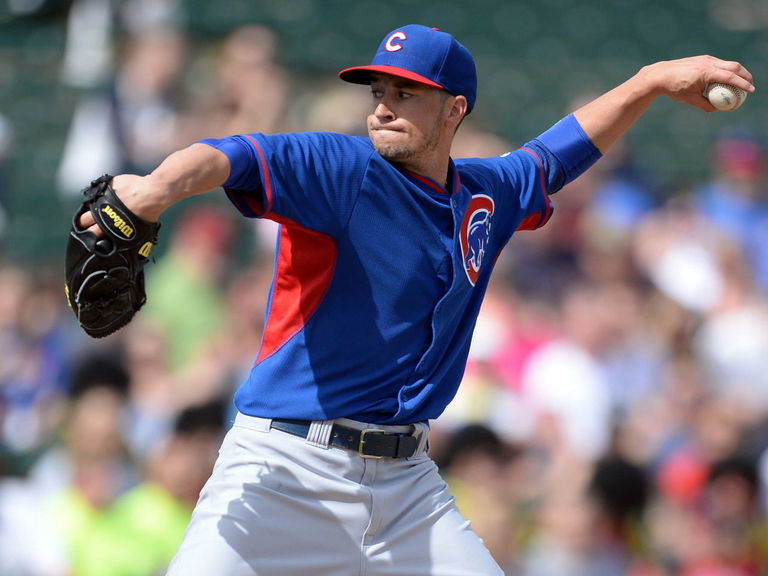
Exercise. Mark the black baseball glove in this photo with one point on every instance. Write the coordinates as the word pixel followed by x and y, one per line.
pixel 105 276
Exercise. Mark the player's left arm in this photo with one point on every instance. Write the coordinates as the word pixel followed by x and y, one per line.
pixel 609 116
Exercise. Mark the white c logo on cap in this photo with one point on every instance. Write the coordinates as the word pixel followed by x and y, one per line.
pixel 393 46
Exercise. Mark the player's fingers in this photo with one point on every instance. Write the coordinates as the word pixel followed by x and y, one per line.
pixel 86 222
pixel 734 79
pixel 735 74
pixel 703 103
pixel 96 231
pixel 736 67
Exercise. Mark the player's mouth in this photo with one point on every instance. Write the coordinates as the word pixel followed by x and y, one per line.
pixel 385 127
pixel 386 133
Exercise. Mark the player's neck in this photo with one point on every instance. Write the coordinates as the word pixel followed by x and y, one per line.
pixel 435 168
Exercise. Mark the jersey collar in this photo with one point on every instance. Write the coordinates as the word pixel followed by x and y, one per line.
pixel 451 187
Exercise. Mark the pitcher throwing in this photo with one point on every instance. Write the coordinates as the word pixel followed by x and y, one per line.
pixel 385 252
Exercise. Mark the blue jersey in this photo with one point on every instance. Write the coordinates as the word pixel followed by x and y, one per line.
pixel 380 272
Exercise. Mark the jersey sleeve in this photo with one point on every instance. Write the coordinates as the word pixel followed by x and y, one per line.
pixel 565 152
pixel 312 179
pixel 525 178
pixel 525 188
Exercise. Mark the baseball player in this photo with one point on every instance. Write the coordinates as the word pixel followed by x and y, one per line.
pixel 385 251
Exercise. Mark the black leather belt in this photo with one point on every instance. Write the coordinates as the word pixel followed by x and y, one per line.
pixel 370 443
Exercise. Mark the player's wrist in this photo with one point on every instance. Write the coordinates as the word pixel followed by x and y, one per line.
pixel 648 82
pixel 141 194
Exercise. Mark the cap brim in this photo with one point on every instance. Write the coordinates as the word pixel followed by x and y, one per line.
pixel 362 75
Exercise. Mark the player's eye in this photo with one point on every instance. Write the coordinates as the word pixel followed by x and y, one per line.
pixel 376 93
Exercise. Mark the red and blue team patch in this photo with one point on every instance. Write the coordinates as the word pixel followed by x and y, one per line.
pixel 475 234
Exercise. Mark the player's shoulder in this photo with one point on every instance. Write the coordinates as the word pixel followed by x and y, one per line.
pixel 337 140
pixel 337 151
pixel 507 160
pixel 491 164
pixel 470 163
pixel 498 172
pixel 322 140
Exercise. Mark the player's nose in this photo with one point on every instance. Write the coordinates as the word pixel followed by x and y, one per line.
pixel 382 111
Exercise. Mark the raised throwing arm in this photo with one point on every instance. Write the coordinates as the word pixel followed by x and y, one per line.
pixel 609 116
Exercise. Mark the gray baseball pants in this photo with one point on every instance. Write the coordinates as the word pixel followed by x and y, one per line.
pixel 281 505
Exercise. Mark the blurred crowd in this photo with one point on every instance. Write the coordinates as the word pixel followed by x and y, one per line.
pixel 613 419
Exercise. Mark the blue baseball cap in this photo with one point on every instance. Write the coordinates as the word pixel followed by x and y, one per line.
pixel 425 55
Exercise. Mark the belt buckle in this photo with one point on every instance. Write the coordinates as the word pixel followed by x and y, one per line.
pixel 361 444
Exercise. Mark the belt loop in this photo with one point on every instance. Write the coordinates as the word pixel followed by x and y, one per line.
pixel 320 433
pixel 421 431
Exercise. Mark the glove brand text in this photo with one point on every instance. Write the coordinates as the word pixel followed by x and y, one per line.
pixel 118 221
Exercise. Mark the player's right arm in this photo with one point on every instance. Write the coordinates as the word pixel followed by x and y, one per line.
pixel 193 170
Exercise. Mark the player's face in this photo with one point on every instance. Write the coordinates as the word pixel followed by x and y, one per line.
pixel 407 124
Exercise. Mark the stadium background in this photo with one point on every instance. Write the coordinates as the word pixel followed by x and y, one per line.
pixel 623 348
pixel 532 59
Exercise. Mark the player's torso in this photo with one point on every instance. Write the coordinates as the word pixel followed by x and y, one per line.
pixel 385 330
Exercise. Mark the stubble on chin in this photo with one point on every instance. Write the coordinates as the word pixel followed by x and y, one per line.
pixel 388 150
pixel 392 153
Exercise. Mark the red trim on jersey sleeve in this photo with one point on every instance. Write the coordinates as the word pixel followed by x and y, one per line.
pixel 266 176
pixel 304 269
pixel 538 219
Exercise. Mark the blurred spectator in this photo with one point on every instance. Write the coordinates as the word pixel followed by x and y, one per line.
pixel 473 142
pixel 320 111
pixel 149 520
pixel 717 533
pixel 153 403
pixel 29 544
pixel 146 97
pixel 241 89
pixel 590 521
pixel 566 541
pixel 565 383
pixel 735 198
pixel 679 252
pixel 130 123
pixel 89 53
pixel 634 357
pixel 507 332
pixel 90 458
pixel 81 478
pixel 732 502
pixel 246 313
pixel 625 192
pixel 88 63
pixel 36 346
pixel 622 492
pixel 475 462
pixel 732 341
pixel 187 300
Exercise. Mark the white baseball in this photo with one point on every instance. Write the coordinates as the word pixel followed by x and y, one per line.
pixel 724 96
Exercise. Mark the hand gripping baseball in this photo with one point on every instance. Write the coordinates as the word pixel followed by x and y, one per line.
pixel 105 274
pixel 686 80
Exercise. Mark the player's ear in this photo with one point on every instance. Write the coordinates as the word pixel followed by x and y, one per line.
pixel 458 110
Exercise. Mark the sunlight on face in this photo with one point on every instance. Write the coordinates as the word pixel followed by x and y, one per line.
pixel 407 117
